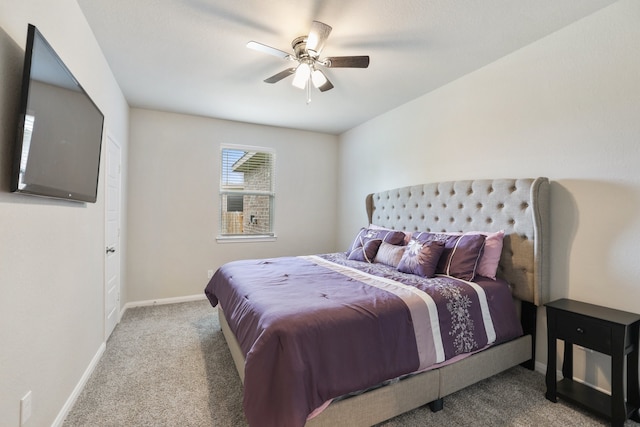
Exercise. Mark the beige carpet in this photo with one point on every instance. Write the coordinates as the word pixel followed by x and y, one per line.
pixel 169 365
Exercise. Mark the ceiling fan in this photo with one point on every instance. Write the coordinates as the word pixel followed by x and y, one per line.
pixel 307 51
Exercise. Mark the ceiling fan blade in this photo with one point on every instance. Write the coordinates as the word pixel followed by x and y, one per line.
pixel 325 87
pixel 281 75
pixel 347 61
pixel 268 50
pixel 317 37
pixel 320 81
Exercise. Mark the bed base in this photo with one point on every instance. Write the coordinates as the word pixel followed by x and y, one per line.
pixel 529 320
pixel 428 387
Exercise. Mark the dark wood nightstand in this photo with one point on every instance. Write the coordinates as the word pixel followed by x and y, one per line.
pixel 608 331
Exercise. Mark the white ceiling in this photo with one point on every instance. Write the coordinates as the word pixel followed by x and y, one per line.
pixel 189 56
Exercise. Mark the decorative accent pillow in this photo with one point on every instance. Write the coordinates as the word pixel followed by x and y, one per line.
pixel 461 255
pixel 389 254
pixel 421 256
pixel 389 236
pixel 367 252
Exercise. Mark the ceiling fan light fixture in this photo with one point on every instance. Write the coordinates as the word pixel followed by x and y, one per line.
pixel 301 76
pixel 318 78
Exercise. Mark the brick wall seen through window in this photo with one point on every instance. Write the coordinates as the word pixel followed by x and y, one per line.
pixel 246 191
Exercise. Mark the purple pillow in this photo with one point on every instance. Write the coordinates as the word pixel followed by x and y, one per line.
pixel 407 234
pixel 421 256
pixel 388 236
pixel 491 254
pixel 461 255
pixel 367 252
pixel 488 264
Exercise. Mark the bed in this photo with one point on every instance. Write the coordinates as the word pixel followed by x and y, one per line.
pixel 395 363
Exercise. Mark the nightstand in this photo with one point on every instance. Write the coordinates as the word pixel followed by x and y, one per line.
pixel 608 331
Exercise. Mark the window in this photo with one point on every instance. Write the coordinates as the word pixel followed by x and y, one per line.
pixel 246 193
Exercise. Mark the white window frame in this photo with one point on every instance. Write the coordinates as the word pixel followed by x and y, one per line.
pixel 236 238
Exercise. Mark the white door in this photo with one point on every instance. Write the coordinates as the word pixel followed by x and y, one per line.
pixel 112 252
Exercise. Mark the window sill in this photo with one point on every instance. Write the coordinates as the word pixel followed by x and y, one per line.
pixel 245 239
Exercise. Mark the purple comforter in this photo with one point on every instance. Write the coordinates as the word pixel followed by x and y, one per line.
pixel 315 328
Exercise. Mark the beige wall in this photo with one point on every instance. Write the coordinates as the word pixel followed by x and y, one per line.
pixel 566 107
pixel 174 203
pixel 51 252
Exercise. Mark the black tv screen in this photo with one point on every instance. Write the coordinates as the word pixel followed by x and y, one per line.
pixel 57 152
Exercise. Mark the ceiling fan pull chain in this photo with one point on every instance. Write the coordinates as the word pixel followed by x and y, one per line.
pixel 309 90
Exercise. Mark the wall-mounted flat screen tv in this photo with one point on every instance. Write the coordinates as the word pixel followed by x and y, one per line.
pixel 57 152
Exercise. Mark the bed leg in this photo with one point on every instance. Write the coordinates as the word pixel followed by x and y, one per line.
pixel 528 319
pixel 436 405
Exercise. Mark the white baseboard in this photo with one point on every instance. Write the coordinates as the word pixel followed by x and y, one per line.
pixel 161 301
pixel 94 362
pixel 78 388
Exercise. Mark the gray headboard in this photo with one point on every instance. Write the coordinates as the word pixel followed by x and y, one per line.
pixel 520 207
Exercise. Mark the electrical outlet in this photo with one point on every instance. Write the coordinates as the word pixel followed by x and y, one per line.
pixel 25 408
pixel 209 274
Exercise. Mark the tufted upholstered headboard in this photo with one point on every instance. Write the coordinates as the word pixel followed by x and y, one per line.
pixel 520 207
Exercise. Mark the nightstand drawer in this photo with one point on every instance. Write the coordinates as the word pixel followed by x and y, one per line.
pixel 584 331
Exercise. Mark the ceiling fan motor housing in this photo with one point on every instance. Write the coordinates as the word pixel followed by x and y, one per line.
pixel 299 45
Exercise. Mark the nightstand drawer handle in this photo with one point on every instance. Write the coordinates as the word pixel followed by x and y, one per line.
pixel 580 330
